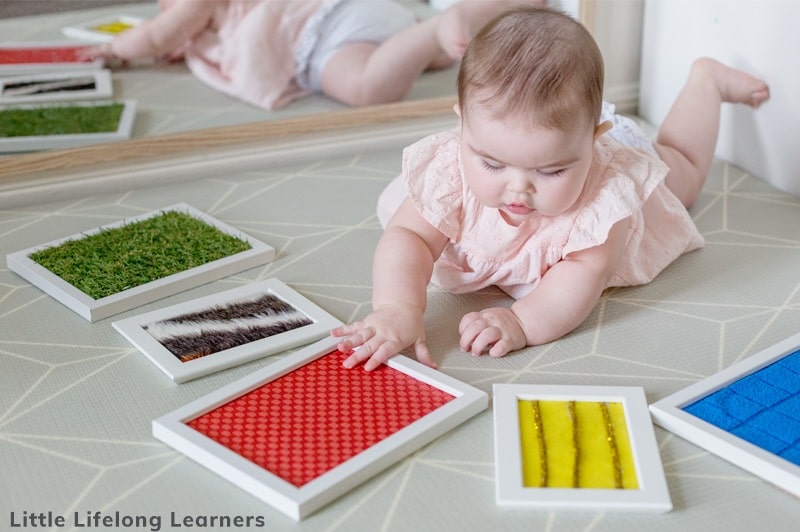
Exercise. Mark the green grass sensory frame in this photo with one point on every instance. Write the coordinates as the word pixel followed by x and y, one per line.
pixel 41 126
pixel 132 262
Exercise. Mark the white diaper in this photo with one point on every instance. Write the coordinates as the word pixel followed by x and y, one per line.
pixel 341 22
pixel 626 131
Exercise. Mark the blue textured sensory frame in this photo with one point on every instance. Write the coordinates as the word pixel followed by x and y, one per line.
pixel 762 408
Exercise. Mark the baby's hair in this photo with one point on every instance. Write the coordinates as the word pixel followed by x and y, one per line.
pixel 537 64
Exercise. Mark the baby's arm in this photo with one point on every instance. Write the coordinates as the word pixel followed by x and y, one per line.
pixel 564 298
pixel 161 34
pixel 401 271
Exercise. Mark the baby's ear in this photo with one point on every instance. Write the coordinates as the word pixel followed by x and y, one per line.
pixel 457 109
pixel 601 128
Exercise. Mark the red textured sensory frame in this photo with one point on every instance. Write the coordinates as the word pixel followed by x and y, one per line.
pixel 54 54
pixel 315 418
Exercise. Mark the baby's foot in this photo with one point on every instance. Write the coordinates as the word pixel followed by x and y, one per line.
pixel 453 31
pixel 734 86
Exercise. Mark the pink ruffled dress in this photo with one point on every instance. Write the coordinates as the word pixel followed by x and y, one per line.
pixel 484 250
pixel 256 54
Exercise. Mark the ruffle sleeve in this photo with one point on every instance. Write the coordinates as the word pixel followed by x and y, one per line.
pixel 432 174
pixel 623 180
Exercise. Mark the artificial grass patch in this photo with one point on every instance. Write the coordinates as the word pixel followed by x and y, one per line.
pixel 60 120
pixel 136 253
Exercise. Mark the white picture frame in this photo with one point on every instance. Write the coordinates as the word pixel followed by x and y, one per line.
pixel 651 495
pixel 136 329
pixel 18 58
pixel 96 309
pixel 102 29
pixel 295 501
pixel 57 86
pixel 670 413
pixel 70 140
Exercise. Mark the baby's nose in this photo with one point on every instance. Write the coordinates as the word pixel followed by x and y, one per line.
pixel 520 183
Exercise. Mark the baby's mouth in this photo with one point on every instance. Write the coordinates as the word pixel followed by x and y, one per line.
pixel 519 209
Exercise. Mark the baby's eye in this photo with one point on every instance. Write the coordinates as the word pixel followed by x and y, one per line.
pixel 553 173
pixel 492 167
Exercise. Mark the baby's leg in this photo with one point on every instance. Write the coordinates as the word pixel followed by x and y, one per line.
pixel 364 73
pixel 688 136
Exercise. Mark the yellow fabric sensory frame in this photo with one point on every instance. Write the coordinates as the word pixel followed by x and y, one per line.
pixel 575 444
pixel 114 27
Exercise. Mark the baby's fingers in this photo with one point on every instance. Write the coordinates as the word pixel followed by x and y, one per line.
pixel 354 335
pixel 381 356
pixel 370 356
pixel 470 331
pixel 500 349
pixel 350 328
pixel 467 320
pixel 100 51
pixel 424 355
pixel 357 357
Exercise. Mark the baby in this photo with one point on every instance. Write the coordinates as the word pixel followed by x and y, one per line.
pixel 541 191
pixel 271 52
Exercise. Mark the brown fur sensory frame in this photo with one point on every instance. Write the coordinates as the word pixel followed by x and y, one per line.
pixel 197 334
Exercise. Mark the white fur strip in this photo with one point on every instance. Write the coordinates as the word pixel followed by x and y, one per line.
pixel 162 330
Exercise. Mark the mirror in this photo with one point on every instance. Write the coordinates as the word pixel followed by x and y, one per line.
pixel 167 123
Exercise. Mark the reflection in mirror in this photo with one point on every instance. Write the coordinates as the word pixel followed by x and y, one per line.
pixel 170 99
pixel 177 113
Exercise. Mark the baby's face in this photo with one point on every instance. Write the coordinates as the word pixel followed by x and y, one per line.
pixel 521 169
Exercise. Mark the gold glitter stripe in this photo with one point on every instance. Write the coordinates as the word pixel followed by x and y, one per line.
pixel 576 449
pixel 612 444
pixel 539 429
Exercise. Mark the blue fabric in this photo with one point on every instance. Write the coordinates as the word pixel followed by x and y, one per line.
pixel 711 413
pixel 762 408
pixel 778 425
pixel 758 390
pixel 791 362
pixel 781 377
pixel 738 406
pixel 790 407
pixel 759 439
pixel 792 454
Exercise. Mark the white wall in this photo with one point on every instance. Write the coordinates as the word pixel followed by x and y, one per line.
pixel 760 36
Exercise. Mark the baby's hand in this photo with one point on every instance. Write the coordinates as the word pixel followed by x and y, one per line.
pixel 383 334
pixel 495 331
pixel 99 51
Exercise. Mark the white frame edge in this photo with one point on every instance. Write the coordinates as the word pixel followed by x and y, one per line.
pixel 132 329
pixel 96 309
pixel 669 414
pixel 653 493
pixel 300 502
